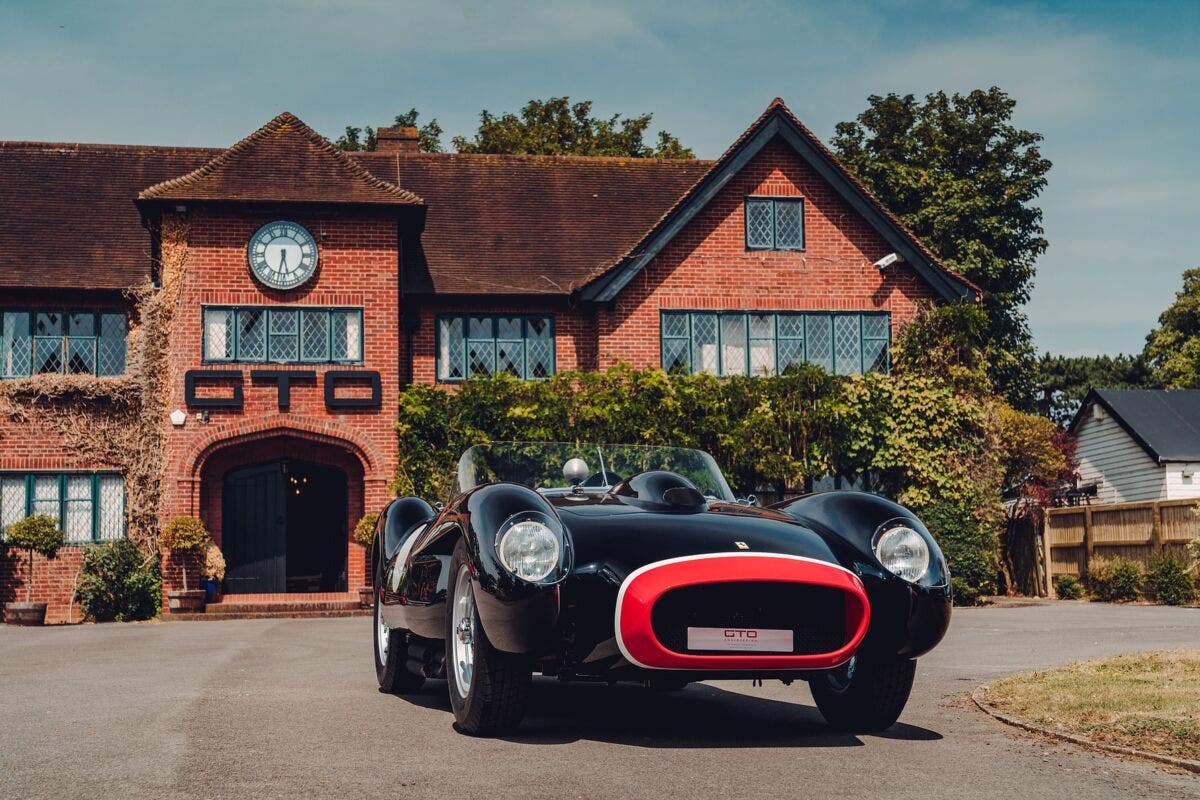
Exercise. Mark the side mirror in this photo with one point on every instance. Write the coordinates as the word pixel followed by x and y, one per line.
pixel 576 471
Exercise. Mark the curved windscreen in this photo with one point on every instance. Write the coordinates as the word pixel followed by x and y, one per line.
pixel 540 466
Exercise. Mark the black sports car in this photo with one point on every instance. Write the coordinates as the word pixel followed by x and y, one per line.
pixel 627 563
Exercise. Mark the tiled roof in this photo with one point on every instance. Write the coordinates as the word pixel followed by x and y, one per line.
pixel 283 161
pixel 67 217
pixel 1164 422
pixel 528 224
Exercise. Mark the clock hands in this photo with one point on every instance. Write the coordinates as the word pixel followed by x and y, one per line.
pixel 283 259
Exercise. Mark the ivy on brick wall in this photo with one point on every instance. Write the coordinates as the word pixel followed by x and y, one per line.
pixel 928 445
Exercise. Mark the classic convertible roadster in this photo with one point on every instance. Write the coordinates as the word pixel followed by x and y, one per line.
pixel 626 563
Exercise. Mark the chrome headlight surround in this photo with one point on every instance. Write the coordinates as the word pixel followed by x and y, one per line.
pixel 904 551
pixel 532 547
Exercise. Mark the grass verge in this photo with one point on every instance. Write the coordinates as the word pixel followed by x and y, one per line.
pixel 1146 701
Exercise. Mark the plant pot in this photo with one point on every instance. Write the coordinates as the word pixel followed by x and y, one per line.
pixel 185 601
pixel 212 590
pixel 25 613
pixel 366 596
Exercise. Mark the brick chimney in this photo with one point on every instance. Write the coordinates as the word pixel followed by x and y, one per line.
pixel 400 139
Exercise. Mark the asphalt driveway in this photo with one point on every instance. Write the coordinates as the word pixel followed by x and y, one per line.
pixel 289 708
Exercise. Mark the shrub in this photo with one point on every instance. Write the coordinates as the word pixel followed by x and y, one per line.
pixel 364 531
pixel 117 582
pixel 1068 587
pixel 1115 580
pixel 214 564
pixel 185 535
pixel 1170 581
pixel 36 534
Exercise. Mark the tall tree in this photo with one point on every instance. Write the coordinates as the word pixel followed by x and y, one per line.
pixel 1173 348
pixel 429 135
pixel 1063 381
pixel 558 127
pixel 963 178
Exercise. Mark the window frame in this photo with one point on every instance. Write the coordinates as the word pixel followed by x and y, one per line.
pixel 495 340
pixel 773 200
pixel 65 338
pixel 827 318
pixel 298 335
pixel 61 478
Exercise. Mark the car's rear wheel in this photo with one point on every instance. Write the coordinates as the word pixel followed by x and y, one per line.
pixel 488 688
pixel 866 694
pixel 391 652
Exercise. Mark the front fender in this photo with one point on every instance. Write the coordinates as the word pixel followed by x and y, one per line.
pixel 907 619
pixel 517 617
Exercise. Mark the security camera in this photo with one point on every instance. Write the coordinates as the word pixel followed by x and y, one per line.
pixel 888 260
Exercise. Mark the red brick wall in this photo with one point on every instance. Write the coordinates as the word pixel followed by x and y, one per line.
pixel 357 267
pixel 707 265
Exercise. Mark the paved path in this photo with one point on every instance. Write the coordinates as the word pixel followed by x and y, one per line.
pixel 289 708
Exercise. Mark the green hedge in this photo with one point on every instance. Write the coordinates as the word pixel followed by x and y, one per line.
pixel 930 447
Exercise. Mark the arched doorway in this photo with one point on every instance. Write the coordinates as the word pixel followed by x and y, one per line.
pixel 281 505
pixel 284 528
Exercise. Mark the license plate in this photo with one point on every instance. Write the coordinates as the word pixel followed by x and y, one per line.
pixel 740 640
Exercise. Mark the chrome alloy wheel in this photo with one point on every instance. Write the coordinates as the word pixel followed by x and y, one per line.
pixel 464 631
pixel 383 634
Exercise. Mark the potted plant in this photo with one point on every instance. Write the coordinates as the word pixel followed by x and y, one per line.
pixel 364 534
pixel 186 538
pixel 214 573
pixel 36 534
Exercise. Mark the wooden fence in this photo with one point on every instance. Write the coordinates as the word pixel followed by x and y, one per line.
pixel 1073 538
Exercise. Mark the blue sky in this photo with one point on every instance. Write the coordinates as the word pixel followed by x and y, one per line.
pixel 1115 88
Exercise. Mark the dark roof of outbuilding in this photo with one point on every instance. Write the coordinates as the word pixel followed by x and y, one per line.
pixel 1164 422
pixel 283 161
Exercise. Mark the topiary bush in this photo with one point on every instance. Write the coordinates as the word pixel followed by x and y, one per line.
pixel 118 583
pixel 1068 587
pixel 1169 580
pixel 185 535
pixel 1115 580
pixel 37 534
pixel 364 531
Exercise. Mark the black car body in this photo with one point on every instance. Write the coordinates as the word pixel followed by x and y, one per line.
pixel 653 576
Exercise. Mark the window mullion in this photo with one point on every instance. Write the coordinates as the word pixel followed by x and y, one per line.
pixel 95 508
pixel 774 238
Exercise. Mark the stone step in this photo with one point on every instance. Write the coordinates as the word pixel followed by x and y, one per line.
pixel 265 614
pixel 281 606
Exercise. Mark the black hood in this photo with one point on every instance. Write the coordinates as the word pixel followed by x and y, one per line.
pixel 625 536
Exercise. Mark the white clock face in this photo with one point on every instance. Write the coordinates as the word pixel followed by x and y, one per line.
pixel 283 255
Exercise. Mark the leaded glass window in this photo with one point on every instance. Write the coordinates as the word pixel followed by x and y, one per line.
pixel 481 345
pixel 282 335
pixel 774 223
pixel 16 355
pixel 88 507
pixel 766 343
pixel 75 342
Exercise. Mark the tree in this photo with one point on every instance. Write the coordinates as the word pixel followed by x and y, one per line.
pixel 186 536
pixel 1063 381
pixel 558 127
pixel 963 179
pixel 1173 348
pixel 37 534
pixel 429 135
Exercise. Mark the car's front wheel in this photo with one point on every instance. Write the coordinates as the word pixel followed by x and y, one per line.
pixel 866 694
pixel 488 688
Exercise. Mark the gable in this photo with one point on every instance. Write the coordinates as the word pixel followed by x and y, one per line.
pixel 777 124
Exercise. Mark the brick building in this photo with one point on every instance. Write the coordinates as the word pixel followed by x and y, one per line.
pixel 247 315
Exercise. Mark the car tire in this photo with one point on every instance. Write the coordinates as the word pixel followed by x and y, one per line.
pixel 866 694
pixel 391 651
pixel 489 689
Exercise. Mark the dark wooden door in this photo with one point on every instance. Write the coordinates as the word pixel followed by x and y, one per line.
pixel 254 530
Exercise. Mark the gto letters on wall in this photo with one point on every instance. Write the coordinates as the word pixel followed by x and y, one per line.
pixel 284 380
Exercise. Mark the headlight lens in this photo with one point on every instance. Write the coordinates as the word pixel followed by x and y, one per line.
pixel 529 549
pixel 903 552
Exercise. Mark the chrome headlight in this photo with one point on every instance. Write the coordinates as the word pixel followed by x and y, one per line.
pixel 528 546
pixel 902 551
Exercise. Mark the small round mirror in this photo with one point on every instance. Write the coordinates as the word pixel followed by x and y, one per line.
pixel 575 471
